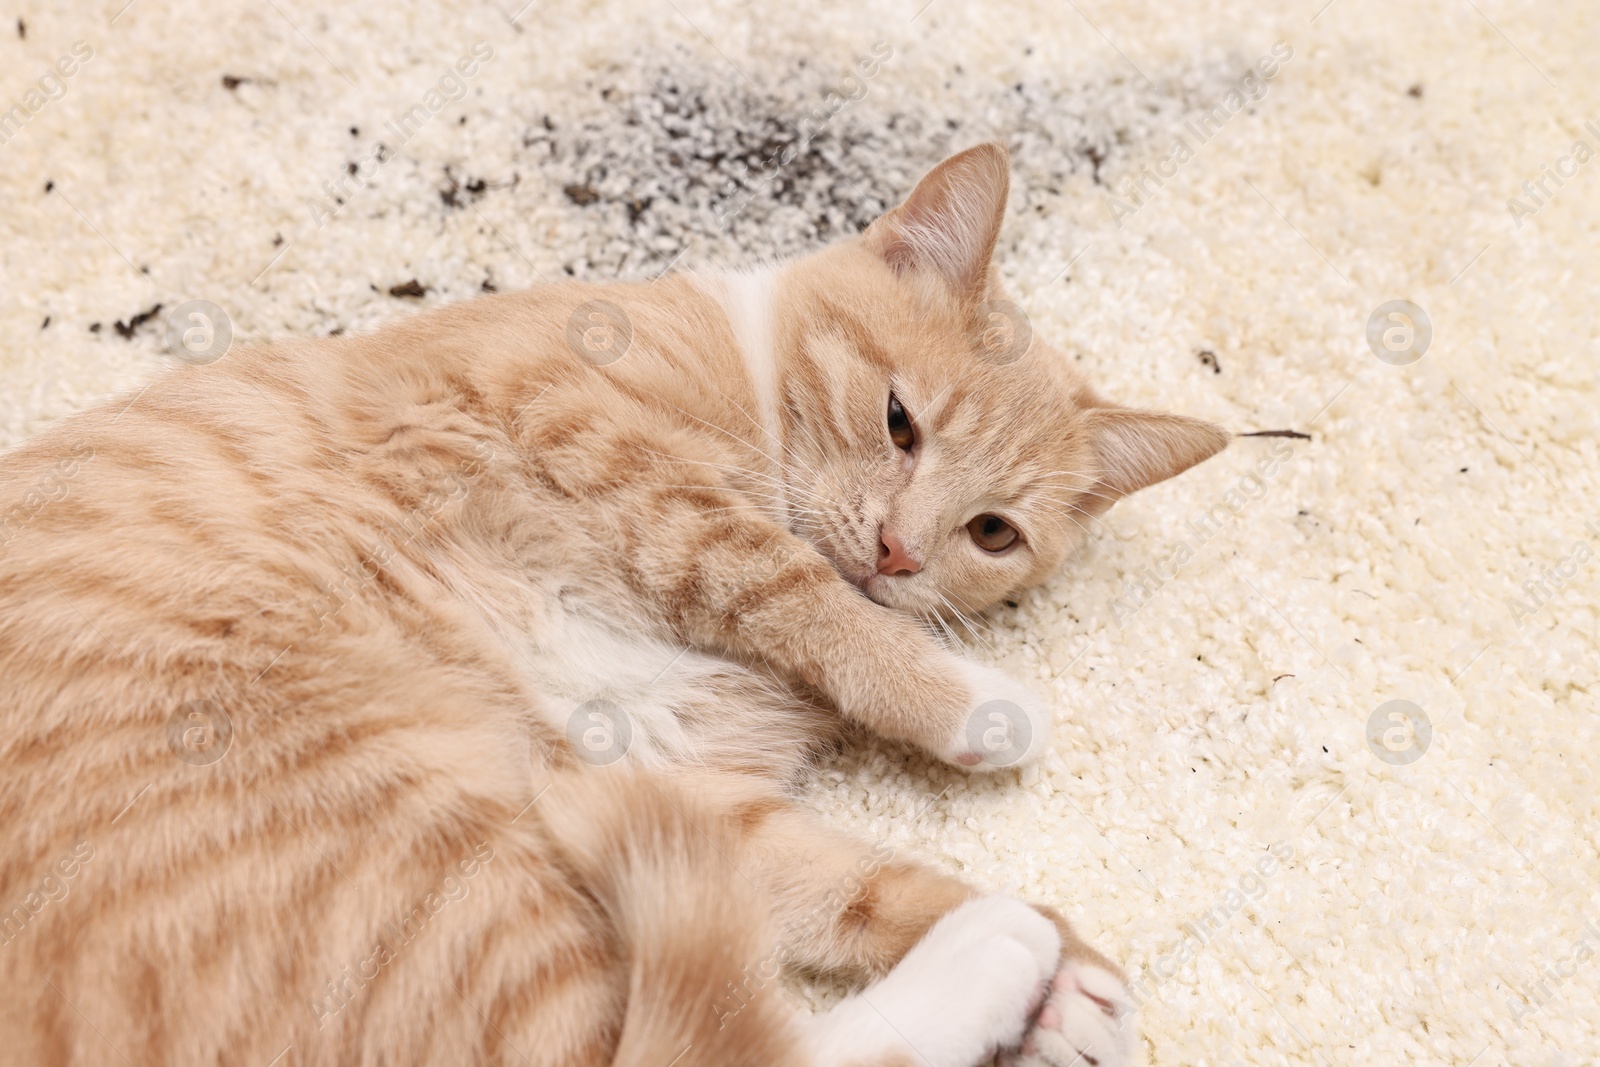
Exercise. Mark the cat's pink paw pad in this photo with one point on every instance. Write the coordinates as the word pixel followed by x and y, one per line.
pixel 1087 1019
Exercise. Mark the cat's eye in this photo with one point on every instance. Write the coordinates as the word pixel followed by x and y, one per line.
pixel 901 432
pixel 992 533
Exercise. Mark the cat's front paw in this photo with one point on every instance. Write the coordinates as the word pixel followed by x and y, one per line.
pixel 1007 724
pixel 1087 1019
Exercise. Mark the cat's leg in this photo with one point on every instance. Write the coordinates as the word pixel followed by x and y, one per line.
pixel 739 585
pixel 954 975
pixel 966 990
pixel 843 906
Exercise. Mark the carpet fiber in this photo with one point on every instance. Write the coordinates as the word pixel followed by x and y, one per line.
pixel 1327 704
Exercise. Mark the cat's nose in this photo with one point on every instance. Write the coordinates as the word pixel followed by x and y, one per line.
pixel 893 557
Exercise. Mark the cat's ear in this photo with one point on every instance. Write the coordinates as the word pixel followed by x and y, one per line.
pixel 1136 448
pixel 948 225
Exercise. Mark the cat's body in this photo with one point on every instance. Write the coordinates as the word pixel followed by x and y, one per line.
pixel 430 696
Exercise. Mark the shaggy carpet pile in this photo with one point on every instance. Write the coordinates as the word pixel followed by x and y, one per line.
pixel 1327 704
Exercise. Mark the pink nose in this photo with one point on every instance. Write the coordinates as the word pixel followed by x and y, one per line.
pixel 893 557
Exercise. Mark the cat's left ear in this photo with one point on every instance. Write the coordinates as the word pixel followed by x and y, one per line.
pixel 948 225
pixel 1134 449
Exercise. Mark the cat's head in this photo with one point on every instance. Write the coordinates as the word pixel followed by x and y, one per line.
pixel 937 454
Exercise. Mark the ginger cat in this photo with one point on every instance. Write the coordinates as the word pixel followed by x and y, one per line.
pixel 430 697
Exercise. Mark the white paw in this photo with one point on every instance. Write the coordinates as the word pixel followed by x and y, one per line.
pixel 966 990
pixel 986 918
pixel 1087 1021
pixel 1008 725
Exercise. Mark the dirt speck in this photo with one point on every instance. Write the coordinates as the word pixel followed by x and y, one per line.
pixel 582 195
pixel 126 330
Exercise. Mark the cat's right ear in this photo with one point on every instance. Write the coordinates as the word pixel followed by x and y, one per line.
pixel 948 225
pixel 1134 449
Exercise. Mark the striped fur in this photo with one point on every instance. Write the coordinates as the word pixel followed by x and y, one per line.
pixel 292 646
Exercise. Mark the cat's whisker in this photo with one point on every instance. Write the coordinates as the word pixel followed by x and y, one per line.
pixel 746 471
pixel 1103 496
pixel 1092 480
pixel 785 465
pixel 978 627
pixel 741 507
pixel 775 495
pixel 1062 505
pixel 784 489
pixel 758 424
pixel 935 618
pixel 1063 513
pixel 1066 509
pixel 1070 474
pixel 777 463
pixel 1109 498
pixel 968 624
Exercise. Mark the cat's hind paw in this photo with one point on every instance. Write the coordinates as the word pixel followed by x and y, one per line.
pixel 1007 724
pixel 1086 1021
pixel 970 987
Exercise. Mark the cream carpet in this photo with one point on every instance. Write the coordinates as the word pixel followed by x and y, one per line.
pixel 1293 868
